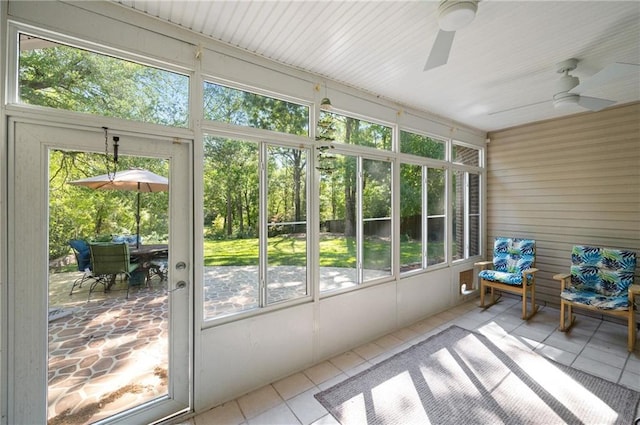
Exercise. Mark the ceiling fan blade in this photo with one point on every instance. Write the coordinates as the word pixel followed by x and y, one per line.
pixel 440 50
pixel 608 74
pixel 515 108
pixel 593 103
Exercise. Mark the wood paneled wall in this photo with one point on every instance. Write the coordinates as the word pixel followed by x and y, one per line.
pixel 563 182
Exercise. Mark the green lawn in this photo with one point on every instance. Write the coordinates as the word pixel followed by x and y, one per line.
pixel 291 250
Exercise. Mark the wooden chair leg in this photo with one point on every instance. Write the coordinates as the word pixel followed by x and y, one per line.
pixel 482 291
pixel 534 307
pixel 632 330
pixel 524 301
pixel 566 313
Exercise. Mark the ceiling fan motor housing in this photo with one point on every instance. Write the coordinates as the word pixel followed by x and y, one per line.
pixel 456 14
pixel 563 98
pixel 566 83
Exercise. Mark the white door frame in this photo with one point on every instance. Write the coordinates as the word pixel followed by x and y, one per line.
pixel 27 241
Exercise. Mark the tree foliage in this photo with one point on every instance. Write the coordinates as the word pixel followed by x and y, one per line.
pixel 68 78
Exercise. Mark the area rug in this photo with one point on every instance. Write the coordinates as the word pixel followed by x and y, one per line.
pixel 461 377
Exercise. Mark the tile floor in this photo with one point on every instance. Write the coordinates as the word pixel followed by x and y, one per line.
pixel 595 346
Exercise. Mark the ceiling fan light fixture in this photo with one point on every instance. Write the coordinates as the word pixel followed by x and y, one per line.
pixel 566 83
pixel 454 14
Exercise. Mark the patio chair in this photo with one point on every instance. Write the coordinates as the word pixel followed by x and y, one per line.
pixel 513 271
pixel 109 260
pixel 83 259
pixel 159 267
pixel 601 280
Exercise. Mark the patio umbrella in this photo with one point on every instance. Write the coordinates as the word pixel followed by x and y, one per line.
pixel 137 180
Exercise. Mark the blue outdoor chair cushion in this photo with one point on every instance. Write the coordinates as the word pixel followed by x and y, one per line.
pixel 503 277
pixel 600 277
pixel 596 300
pixel 511 256
pixel 83 254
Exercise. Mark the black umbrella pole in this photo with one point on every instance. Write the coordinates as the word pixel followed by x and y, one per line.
pixel 138 220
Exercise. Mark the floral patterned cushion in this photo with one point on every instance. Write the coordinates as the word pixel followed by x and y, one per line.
pixel 511 256
pixel 503 277
pixel 595 300
pixel 600 277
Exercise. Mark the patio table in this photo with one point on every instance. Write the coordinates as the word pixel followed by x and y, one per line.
pixel 144 255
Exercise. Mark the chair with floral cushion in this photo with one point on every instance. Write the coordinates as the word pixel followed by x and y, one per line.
pixel 513 271
pixel 601 280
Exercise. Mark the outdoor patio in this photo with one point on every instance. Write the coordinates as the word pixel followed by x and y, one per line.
pixel 106 354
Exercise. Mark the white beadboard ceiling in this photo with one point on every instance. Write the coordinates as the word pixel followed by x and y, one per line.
pixel 503 60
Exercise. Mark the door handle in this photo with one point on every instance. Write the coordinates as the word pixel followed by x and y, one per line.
pixel 181 284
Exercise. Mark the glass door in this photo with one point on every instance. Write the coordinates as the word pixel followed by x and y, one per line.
pixel 99 276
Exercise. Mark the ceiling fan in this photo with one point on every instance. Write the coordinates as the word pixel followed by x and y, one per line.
pixel 569 89
pixel 452 16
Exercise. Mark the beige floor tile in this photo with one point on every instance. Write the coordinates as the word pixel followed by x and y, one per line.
pixel 368 351
pixel 388 342
pixel 306 408
pixel 278 415
pixel 259 401
pixel 347 361
pixel 293 385
pixel 594 367
pixel 322 372
pixel 405 334
pixel 226 414
pixel 630 380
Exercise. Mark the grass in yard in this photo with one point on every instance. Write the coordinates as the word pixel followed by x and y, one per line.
pixel 335 251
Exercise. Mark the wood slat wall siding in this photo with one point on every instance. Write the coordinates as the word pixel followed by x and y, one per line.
pixel 566 182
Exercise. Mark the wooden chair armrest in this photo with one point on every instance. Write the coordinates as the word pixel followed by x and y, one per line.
pixel 483 264
pixel 532 270
pixel 634 291
pixel 563 278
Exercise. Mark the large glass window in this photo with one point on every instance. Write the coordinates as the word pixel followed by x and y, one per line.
pixel 354 131
pixel 286 224
pixel 355 222
pixel 338 223
pixel 245 268
pixel 376 219
pixel 65 77
pixel 466 214
pixel 231 213
pixel 233 106
pixel 417 185
pixel 411 201
pixel 436 218
pixel 466 155
pixel 424 146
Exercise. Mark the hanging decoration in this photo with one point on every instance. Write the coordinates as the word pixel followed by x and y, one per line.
pixel 111 175
pixel 325 136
